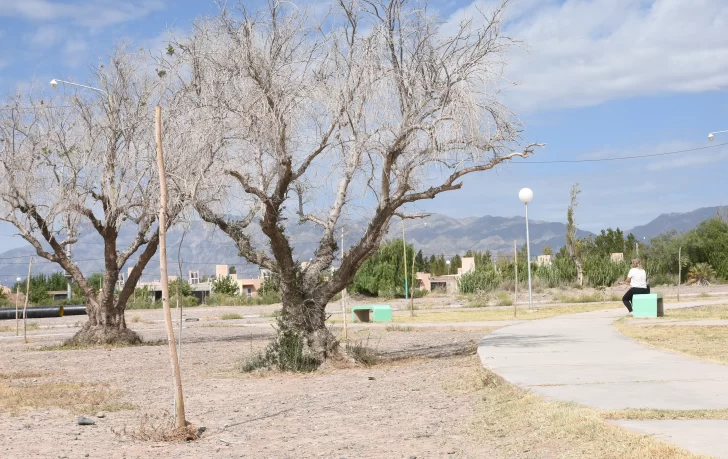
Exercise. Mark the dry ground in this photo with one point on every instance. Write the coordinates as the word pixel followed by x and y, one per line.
pixel 426 400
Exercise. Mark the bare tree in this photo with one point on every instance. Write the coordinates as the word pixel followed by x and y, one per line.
pixel 380 108
pixel 573 246
pixel 84 161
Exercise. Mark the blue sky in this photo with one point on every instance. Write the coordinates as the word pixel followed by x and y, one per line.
pixel 597 79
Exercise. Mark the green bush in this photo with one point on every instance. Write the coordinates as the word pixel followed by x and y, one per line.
pixel 504 299
pixel 224 285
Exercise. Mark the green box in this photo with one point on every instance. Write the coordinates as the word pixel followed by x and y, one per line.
pixel 372 313
pixel 648 305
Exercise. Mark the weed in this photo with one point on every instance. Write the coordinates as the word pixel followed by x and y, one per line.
pixel 5 328
pixel 704 295
pixel 159 428
pixel 362 353
pixel 136 319
pixel 81 347
pixel 230 317
pixel 504 299
pixel 399 328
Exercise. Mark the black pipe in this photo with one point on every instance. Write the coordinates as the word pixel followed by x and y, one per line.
pixel 41 312
pixel 74 310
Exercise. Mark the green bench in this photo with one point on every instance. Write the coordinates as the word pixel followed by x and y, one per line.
pixel 371 313
pixel 648 305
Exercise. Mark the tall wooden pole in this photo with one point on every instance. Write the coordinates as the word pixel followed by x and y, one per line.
pixel 179 399
pixel 404 262
pixel 25 305
pixel 17 316
pixel 679 271
pixel 412 296
pixel 343 292
pixel 515 288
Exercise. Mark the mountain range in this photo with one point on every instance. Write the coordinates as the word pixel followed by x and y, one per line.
pixel 203 246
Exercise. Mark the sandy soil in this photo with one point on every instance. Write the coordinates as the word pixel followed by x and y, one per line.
pixel 396 409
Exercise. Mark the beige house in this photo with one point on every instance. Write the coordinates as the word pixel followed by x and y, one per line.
pixel 447 283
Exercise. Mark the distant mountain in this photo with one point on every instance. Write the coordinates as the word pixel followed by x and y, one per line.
pixel 204 246
pixel 679 222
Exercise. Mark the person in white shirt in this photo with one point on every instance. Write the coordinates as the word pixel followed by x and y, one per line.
pixel 637 280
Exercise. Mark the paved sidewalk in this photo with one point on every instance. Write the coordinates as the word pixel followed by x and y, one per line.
pixel 582 358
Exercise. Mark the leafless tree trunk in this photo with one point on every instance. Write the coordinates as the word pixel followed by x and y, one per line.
pixel 383 107
pixel 89 155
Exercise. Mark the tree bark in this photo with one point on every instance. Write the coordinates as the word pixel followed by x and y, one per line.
pixel 105 324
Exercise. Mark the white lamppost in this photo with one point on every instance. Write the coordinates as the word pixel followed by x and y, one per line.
pixel 448 267
pixel 526 196
pixel 711 135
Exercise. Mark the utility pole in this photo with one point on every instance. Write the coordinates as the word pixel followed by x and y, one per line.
pixel 343 292
pixel 69 291
pixel 412 296
pixel 17 297
pixel 179 399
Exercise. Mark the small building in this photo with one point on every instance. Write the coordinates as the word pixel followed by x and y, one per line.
pixel 58 295
pixel 423 281
pixel 544 260
pixel 617 257
pixel 444 284
pixel 468 265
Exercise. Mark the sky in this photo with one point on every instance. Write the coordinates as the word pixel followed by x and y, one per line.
pixel 594 79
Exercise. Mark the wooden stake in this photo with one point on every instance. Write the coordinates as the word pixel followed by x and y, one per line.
pixel 25 306
pixel 17 316
pixel 179 399
pixel 515 289
pixel 412 295
pixel 343 292
pixel 679 271
pixel 404 261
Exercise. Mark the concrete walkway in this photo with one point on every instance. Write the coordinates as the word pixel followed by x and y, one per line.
pixel 582 358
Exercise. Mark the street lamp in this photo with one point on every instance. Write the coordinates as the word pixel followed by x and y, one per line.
pixel 54 84
pixel 711 135
pixel 526 196
pixel 448 267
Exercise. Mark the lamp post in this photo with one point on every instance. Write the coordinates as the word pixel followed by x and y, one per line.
pixel 711 135
pixel 448 267
pixel 526 196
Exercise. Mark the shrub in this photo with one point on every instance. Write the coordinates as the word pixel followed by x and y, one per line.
pixel 230 317
pixel 701 274
pixel 504 299
pixel 224 285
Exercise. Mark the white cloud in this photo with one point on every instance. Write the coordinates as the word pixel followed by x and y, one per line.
pixel 585 52
pixel 94 14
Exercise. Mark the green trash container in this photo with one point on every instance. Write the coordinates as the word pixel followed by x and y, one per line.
pixel 648 305
pixel 371 313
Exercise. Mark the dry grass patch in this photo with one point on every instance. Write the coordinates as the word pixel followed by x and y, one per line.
pixel 230 317
pixel 17 394
pixel 159 428
pixel 648 414
pixel 525 425
pixel 709 342
pixel 499 314
pixel 6 328
pixel 712 312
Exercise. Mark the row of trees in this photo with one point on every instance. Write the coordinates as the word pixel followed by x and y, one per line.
pixel 270 119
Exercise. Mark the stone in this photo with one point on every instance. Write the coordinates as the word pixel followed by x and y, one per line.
pixel 84 421
pixel 100 415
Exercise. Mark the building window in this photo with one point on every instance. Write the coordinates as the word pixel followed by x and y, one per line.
pixel 194 277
